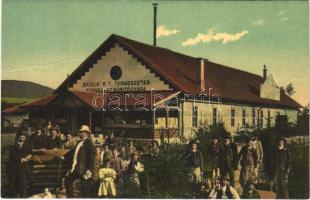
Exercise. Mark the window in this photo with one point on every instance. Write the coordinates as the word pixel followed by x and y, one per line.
pixel 243 117
pixel 268 119
pixel 261 117
pixel 232 117
pixel 116 72
pixel 253 116
pixel 214 116
pixel 195 116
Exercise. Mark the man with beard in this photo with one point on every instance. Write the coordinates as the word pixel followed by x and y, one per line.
pixel 19 166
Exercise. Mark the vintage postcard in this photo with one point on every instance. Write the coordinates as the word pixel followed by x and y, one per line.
pixel 155 99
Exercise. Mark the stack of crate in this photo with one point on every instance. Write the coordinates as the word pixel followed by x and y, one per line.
pixel 48 171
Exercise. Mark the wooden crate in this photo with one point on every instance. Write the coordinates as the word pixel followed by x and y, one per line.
pixel 47 170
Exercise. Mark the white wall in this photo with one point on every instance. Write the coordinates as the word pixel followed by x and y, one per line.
pixel 269 89
pixel 224 115
pixel 132 70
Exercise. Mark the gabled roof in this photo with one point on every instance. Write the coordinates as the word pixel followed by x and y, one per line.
pixel 179 71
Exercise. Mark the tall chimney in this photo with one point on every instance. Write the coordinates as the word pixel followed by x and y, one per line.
pixel 264 73
pixel 201 74
pixel 155 23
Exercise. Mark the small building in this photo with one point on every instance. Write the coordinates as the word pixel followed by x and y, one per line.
pixel 12 117
pixel 136 90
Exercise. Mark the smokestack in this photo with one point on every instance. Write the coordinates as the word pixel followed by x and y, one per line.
pixel 155 23
pixel 264 73
pixel 201 74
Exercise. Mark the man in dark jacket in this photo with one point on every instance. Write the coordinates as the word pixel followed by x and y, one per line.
pixel 248 160
pixel 39 140
pixel 54 141
pixel 226 160
pixel 214 152
pixel 80 160
pixel 234 149
pixel 195 162
pixel 282 169
pixel 19 166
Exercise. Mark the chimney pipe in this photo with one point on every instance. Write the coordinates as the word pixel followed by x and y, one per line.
pixel 264 73
pixel 155 23
pixel 201 74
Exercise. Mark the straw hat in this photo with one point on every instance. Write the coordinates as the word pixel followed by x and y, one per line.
pixel 84 128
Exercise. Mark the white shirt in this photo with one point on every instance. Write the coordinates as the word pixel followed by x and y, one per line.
pixel 80 144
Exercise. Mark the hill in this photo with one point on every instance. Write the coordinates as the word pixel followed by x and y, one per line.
pixel 15 92
pixel 23 89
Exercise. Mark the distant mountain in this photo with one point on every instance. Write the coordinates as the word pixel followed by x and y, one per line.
pixel 23 89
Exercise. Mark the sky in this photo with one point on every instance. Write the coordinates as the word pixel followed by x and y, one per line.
pixel 43 41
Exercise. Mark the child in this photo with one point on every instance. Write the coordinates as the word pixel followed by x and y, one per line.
pixel 107 175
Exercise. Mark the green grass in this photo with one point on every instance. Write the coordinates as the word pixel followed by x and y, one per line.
pixel 15 100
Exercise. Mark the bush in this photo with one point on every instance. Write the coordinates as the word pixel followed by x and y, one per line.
pixel 165 176
pixel 299 176
pixel 6 141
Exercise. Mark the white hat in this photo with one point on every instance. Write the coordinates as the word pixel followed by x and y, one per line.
pixel 84 128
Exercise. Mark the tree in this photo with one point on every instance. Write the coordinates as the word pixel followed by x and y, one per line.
pixel 303 121
pixel 290 89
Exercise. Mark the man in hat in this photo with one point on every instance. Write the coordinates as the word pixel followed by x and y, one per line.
pixel 282 169
pixel 195 164
pixel 226 159
pixel 214 152
pixel 80 159
pixel 224 190
pixel 19 166
pixel 248 160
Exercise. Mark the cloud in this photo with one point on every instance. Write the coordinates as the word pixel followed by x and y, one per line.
pixel 213 36
pixel 163 31
pixel 284 18
pixel 282 12
pixel 258 22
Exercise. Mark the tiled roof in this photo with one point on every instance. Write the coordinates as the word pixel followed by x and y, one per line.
pixel 35 103
pixel 40 102
pixel 180 71
pixel 14 109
